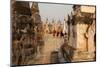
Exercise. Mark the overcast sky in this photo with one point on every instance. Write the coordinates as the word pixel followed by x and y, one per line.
pixel 54 11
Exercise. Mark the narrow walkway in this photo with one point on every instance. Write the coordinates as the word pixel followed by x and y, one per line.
pixel 51 44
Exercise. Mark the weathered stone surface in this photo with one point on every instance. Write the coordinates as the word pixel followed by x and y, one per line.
pixel 27 32
pixel 85 47
pixel 81 36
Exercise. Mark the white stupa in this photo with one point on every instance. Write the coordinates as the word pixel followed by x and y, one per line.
pixel 65 26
